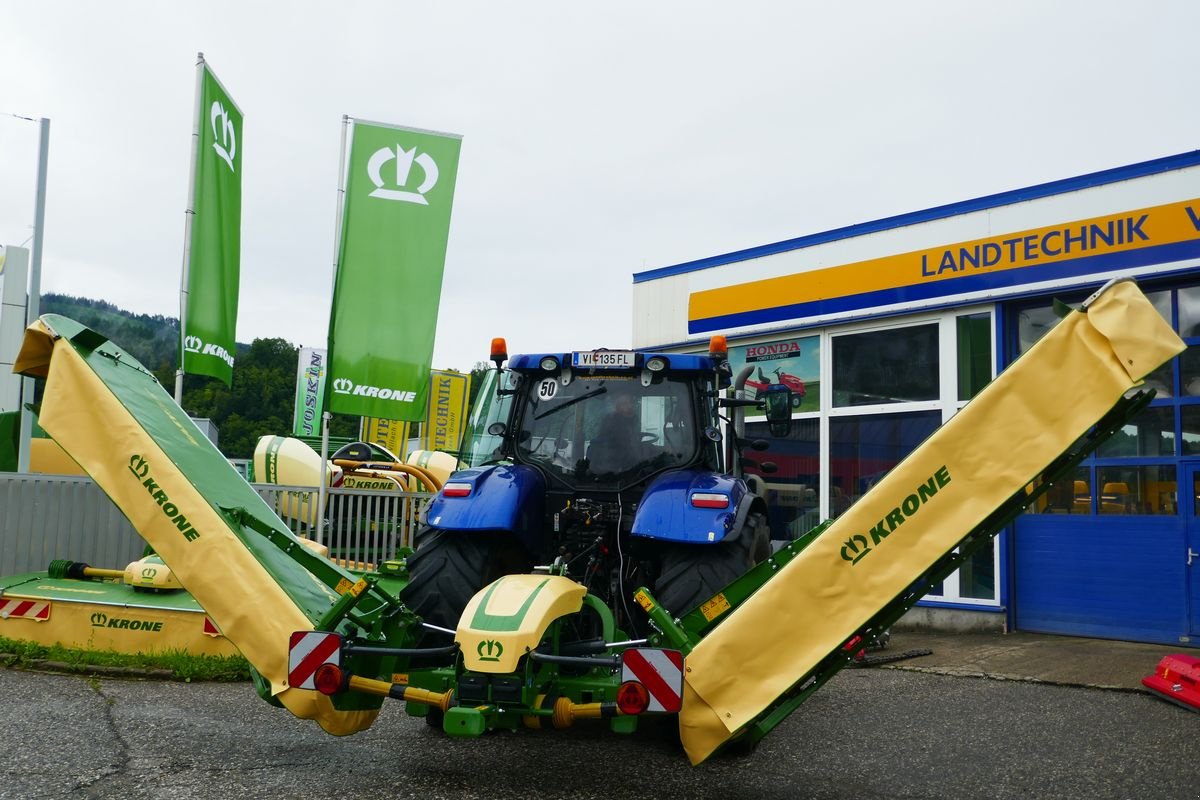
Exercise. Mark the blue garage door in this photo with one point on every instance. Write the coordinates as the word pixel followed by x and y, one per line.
pixel 1116 577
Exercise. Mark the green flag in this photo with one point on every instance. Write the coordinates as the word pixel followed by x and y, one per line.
pixel 395 223
pixel 214 251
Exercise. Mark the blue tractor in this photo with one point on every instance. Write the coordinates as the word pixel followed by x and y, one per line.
pixel 616 468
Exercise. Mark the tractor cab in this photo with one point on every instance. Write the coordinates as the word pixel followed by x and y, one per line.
pixel 612 428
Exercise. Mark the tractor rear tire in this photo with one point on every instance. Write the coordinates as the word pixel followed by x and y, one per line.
pixel 449 567
pixel 692 573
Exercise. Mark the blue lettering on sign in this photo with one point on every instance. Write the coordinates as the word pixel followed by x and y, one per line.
pixel 1032 247
pixel 1192 216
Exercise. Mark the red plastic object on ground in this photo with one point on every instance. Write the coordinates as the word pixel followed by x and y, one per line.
pixel 1177 679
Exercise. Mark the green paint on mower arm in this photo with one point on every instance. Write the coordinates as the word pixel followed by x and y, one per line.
pixel 306 578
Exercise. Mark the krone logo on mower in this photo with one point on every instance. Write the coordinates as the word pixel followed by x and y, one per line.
pixel 102 620
pixel 347 386
pixel 493 649
pixel 139 467
pixel 856 547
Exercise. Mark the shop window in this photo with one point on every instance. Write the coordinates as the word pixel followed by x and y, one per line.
pixel 1151 433
pixel 1033 324
pixel 1189 372
pixel 1191 430
pixel 899 365
pixel 792 495
pixel 1189 311
pixel 977 575
pixel 1071 494
pixel 974 332
pixel 1136 490
pixel 865 448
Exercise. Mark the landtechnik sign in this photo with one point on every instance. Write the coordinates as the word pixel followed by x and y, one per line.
pixel 1124 240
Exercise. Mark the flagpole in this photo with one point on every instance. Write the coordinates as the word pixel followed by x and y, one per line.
pixel 325 415
pixel 34 304
pixel 187 227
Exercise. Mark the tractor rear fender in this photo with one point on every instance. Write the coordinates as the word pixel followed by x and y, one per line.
pixel 494 498
pixel 671 511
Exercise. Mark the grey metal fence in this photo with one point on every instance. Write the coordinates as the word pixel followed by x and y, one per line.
pixel 361 526
pixel 44 517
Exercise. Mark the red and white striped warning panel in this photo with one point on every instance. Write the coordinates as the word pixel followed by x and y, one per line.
pixel 308 650
pixel 660 671
pixel 36 610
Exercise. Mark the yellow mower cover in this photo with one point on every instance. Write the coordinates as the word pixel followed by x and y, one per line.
pixel 114 419
pixel 989 451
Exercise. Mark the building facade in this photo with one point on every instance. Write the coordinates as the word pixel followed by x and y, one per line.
pixel 884 330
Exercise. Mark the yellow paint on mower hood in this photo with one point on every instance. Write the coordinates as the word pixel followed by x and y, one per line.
pixel 988 452
pixel 507 618
pixel 187 528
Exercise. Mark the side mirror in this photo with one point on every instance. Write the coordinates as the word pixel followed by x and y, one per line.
pixel 777 401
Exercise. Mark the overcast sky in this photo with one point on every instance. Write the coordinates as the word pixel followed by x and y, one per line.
pixel 599 139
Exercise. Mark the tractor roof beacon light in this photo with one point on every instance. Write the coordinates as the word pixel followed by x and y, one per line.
pixel 718 349
pixel 499 351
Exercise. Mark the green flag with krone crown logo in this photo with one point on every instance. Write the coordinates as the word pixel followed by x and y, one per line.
pixel 399 188
pixel 214 246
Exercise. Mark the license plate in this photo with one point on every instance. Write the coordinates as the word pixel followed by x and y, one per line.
pixel 603 359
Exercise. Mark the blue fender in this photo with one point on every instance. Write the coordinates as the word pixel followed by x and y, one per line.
pixel 666 511
pixel 500 498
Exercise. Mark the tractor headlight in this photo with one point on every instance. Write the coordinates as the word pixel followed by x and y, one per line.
pixel 656 364
pixel 549 364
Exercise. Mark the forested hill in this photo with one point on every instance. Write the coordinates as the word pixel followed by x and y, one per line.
pixel 151 339
pixel 264 374
pixel 263 395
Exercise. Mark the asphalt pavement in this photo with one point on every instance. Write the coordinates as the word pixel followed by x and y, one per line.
pixel 983 716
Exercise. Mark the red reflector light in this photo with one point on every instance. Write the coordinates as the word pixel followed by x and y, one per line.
pixel 632 697
pixel 328 679
pixel 456 489
pixel 709 500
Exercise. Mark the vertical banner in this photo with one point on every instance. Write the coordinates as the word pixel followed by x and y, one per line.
pixel 310 392
pixel 445 418
pixel 214 246
pixel 389 433
pixel 394 227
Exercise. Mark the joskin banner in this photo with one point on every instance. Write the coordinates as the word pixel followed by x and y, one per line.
pixel 214 253
pixel 310 392
pixel 395 223
pixel 446 415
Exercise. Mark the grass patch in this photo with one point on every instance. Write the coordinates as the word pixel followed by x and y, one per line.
pixel 181 666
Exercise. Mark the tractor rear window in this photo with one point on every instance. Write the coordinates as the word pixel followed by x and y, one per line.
pixel 607 431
